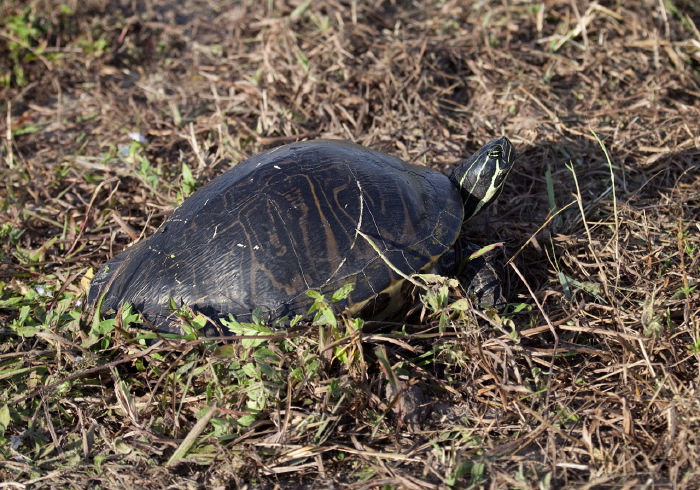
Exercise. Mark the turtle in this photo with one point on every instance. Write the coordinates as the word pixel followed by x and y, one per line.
pixel 314 215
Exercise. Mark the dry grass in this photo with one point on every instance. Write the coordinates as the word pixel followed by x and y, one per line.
pixel 593 384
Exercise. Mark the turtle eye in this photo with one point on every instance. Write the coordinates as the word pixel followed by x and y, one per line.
pixel 496 153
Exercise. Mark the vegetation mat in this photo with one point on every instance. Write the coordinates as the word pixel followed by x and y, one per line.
pixel 112 112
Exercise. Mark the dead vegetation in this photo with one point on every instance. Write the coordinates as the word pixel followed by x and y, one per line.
pixel 593 383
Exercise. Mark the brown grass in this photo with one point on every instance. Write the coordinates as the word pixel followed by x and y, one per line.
pixel 594 384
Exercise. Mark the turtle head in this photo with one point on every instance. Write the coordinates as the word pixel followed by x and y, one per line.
pixel 480 179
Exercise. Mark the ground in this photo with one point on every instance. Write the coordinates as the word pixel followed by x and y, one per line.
pixel 113 112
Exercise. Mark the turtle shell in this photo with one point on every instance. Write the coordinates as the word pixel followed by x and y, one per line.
pixel 314 215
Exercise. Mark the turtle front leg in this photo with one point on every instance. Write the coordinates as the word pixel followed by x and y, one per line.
pixel 480 277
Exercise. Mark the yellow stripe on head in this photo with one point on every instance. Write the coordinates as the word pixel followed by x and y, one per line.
pixel 480 178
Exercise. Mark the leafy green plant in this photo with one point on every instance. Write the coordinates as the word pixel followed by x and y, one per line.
pixel 323 313
pixel 24 35
pixel 96 47
pixel 20 35
pixel 189 183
